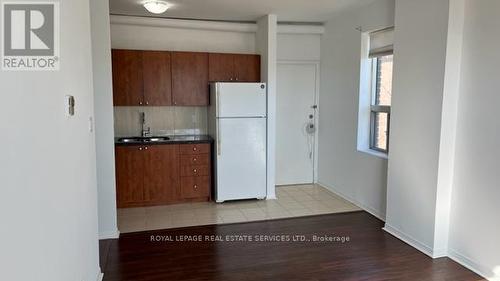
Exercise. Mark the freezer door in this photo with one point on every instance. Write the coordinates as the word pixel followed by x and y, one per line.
pixel 241 100
pixel 241 158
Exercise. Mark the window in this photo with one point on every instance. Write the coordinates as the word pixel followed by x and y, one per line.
pixel 380 116
pixel 375 92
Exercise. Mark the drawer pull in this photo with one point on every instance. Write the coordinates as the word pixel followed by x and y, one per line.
pixel 195 171
pixel 194 159
pixel 195 148
pixel 195 186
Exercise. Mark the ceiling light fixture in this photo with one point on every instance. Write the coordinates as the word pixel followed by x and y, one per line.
pixel 155 6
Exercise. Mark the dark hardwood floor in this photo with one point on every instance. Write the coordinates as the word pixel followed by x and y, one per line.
pixel 370 254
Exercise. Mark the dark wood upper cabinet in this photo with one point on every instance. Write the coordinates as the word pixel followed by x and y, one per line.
pixel 234 68
pixel 161 178
pixel 127 78
pixel 157 78
pixel 189 79
pixel 247 68
pixel 220 67
pixel 162 78
pixel 129 175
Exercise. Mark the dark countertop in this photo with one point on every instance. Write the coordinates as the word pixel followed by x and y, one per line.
pixel 172 140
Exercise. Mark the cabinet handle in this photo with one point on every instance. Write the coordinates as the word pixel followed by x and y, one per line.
pixel 140 148
pixel 195 186
pixel 195 171
pixel 236 79
pixel 147 103
pixel 146 148
pixel 231 79
pixel 194 148
pixel 194 159
pixel 140 103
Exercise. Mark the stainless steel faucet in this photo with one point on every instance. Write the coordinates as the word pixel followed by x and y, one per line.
pixel 144 132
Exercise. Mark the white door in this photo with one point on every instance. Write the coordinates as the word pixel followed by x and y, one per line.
pixel 295 143
pixel 241 158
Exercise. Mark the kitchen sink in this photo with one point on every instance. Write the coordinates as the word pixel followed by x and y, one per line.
pixel 143 139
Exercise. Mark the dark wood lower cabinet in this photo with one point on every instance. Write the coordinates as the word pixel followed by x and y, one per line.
pixel 162 174
pixel 129 175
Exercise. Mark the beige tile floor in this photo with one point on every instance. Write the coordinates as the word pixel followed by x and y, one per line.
pixel 293 201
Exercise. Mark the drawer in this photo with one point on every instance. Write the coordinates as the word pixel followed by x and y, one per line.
pixel 194 171
pixel 195 187
pixel 190 149
pixel 197 159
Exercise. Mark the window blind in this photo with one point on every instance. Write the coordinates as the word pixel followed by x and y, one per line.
pixel 381 43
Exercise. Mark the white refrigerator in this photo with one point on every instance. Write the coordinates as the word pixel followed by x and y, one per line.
pixel 238 124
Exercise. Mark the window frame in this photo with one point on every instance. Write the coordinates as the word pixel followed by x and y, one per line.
pixel 375 108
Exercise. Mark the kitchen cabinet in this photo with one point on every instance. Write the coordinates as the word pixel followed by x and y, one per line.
pixel 128 84
pixel 247 68
pixel 149 175
pixel 161 173
pixel 141 78
pixel 195 170
pixel 129 175
pixel 157 78
pixel 234 68
pixel 163 78
pixel 190 79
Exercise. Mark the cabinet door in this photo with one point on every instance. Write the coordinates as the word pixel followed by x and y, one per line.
pixel 129 176
pixel 190 79
pixel 247 68
pixel 127 78
pixel 157 78
pixel 161 178
pixel 220 67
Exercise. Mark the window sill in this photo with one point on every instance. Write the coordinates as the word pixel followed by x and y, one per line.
pixel 375 153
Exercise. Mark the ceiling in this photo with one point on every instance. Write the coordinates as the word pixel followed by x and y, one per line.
pixel 242 10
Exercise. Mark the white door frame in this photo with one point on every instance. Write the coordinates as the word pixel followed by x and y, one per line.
pixel 316 64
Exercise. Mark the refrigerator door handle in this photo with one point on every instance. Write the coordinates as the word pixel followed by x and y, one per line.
pixel 217 125
pixel 217 128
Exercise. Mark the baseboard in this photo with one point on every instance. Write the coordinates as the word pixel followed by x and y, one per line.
pixel 100 276
pixel 471 265
pixel 271 197
pixel 409 240
pixel 109 235
pixel 369 209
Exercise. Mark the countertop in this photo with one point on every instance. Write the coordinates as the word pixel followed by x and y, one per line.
pixel 172 140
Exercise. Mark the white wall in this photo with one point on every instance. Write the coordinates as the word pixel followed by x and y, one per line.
pixel 299 47
pixel 475 227
pixel 104 130
pixel 266 46
pixel 175 36
pixel 357 176
pixel 426 66
pixel 48 206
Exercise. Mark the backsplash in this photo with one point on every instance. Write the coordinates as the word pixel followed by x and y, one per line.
pixel 163 120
